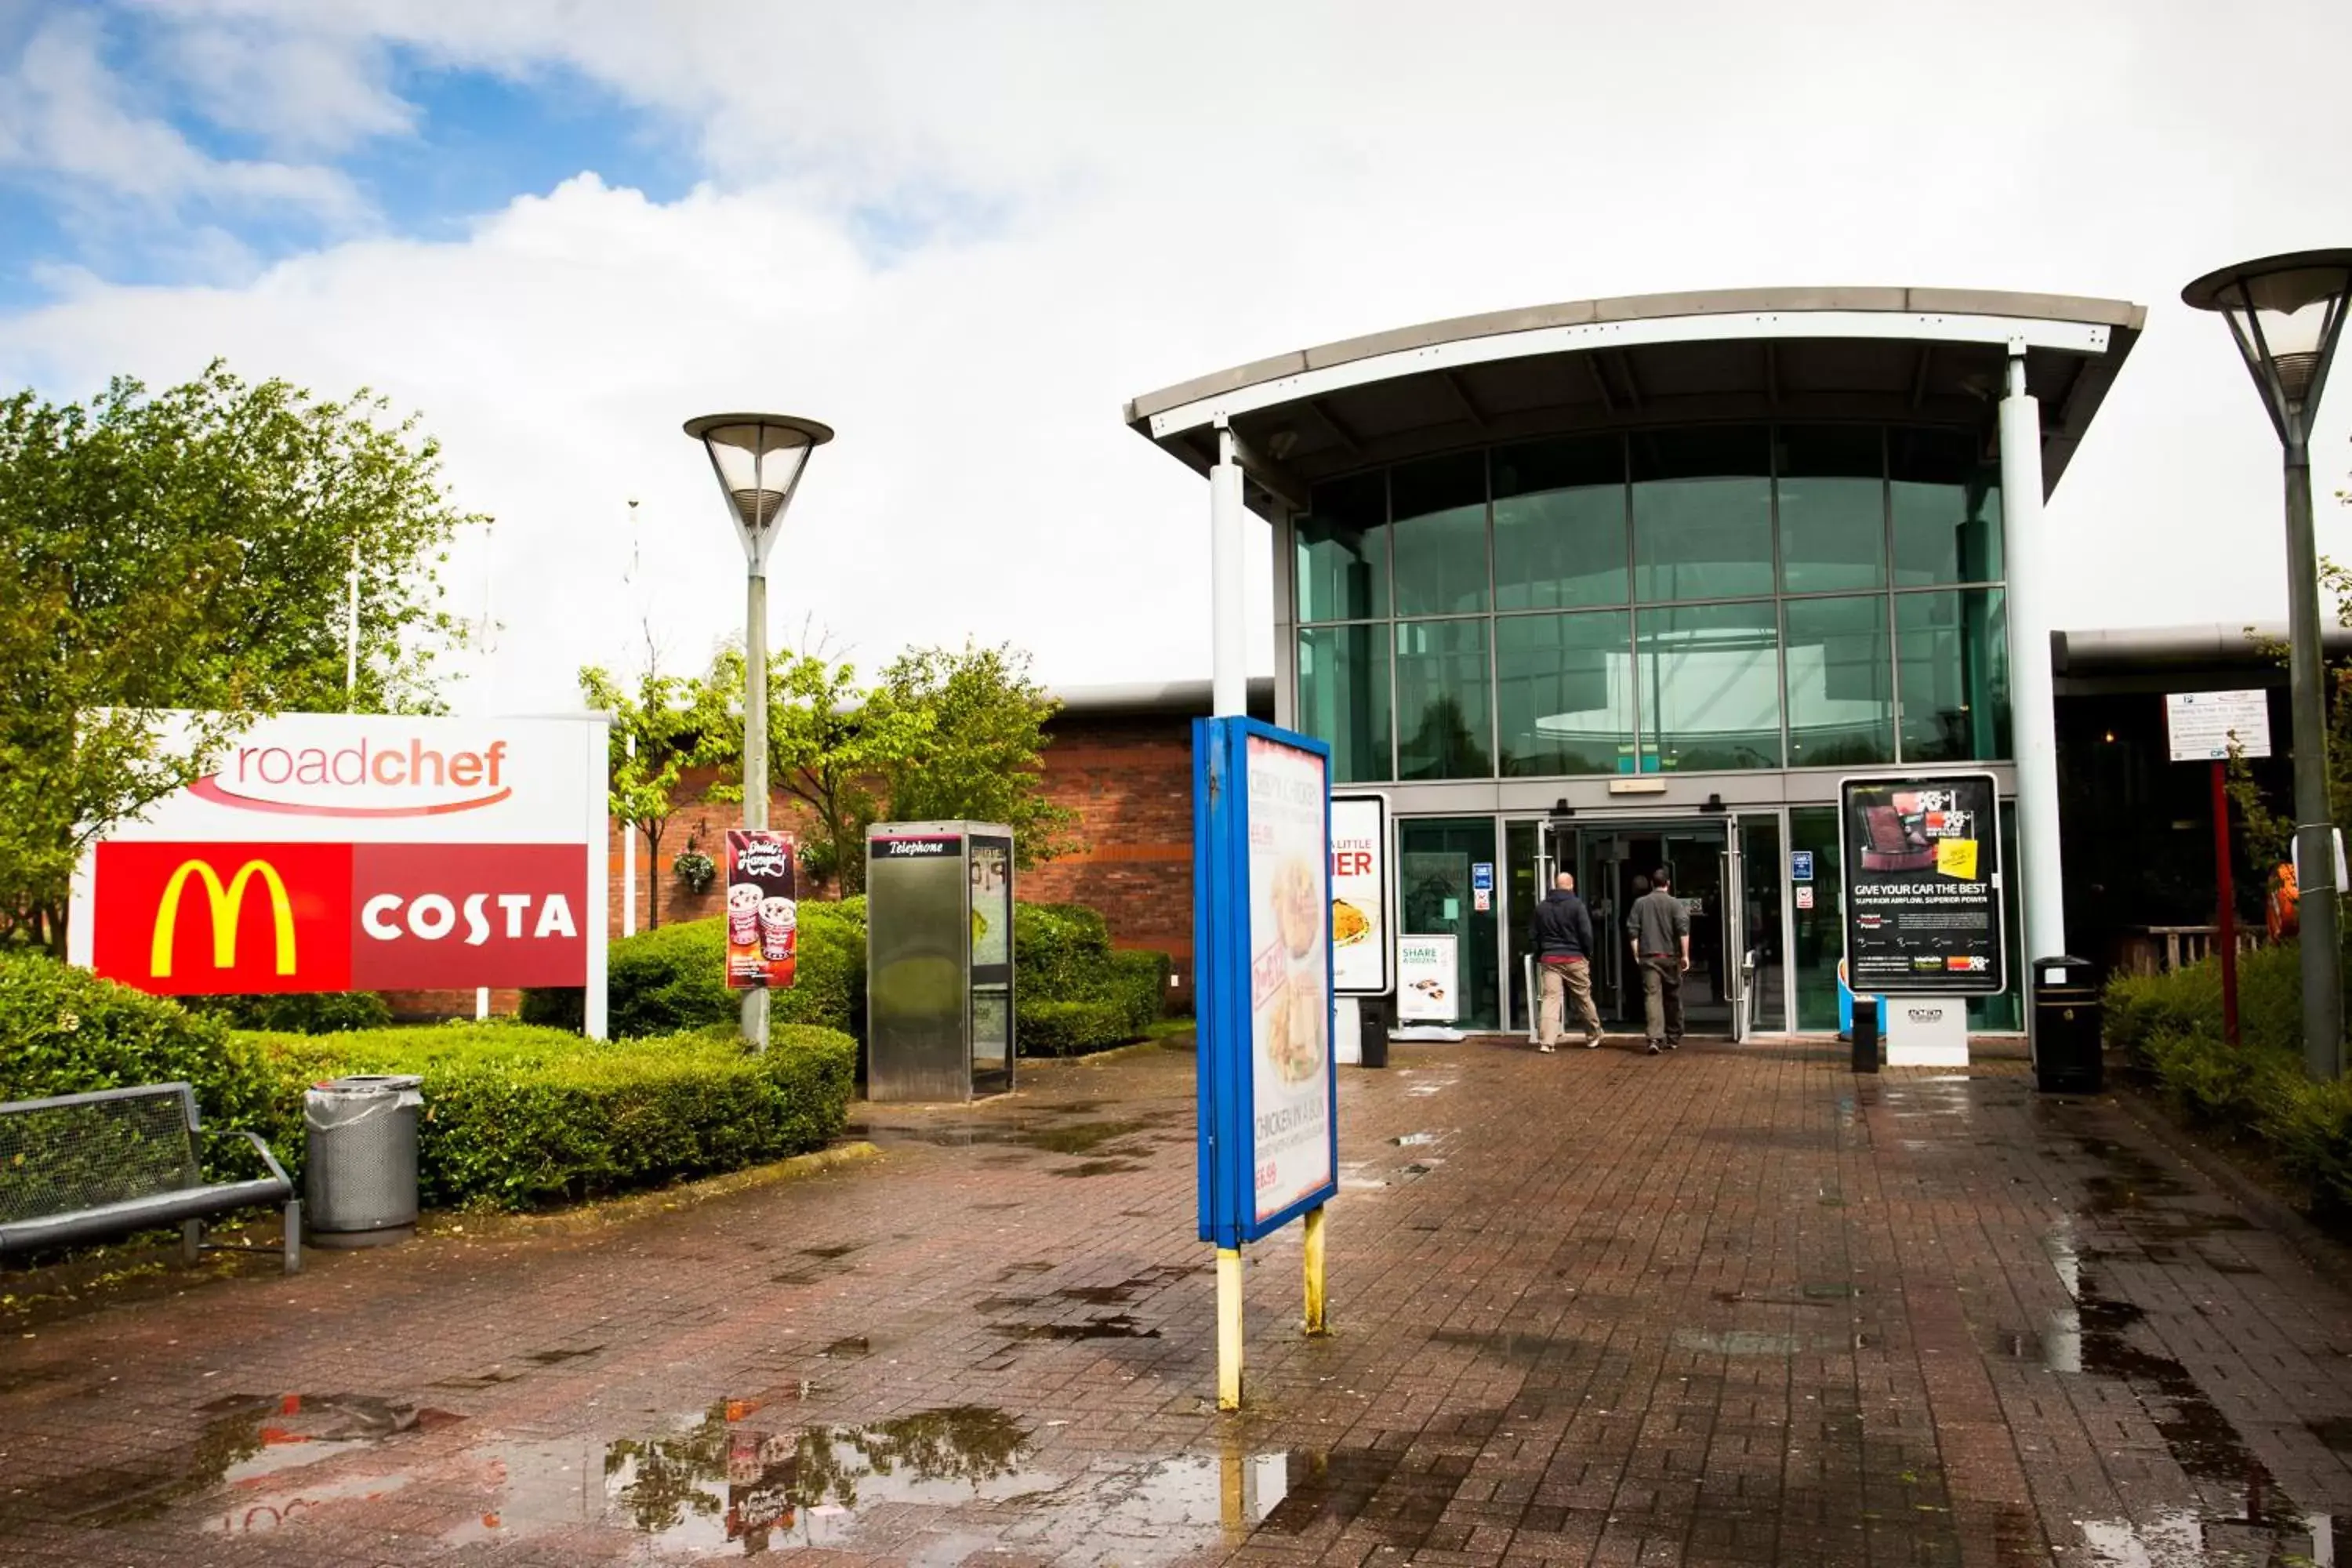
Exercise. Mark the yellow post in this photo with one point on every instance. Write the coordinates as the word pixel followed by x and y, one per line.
pixel 1229 1328
pixel 1311 1247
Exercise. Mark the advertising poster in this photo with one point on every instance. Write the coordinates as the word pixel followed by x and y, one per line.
pixel 1923 908
pixel 1359 880
pixel 1425 980
pixel 762 908
pixel 1290 969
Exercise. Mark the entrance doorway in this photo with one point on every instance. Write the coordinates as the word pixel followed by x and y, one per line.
pixel 1733 985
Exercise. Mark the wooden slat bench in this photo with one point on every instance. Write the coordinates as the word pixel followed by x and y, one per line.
pixel 86 1167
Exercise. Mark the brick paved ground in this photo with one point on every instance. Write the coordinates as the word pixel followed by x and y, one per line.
pixel 1734 1306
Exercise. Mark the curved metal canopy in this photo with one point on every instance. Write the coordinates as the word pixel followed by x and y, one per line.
pixel 1928 356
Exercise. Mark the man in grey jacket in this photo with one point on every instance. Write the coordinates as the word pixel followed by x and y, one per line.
pixel 1660 929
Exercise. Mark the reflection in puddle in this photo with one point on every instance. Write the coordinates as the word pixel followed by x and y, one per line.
pixel 723 1486
pixel 2184 1539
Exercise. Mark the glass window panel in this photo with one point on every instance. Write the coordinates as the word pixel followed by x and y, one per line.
pixel 1833 503
pixel 1840 675
pixel 1711 687
pixel 1342 557
pixel 1440 530
pixel 1343 698
pixel 1702 513
pixel 1559 524
pixel 1436 896
pixel 1946 495
pixel 1443 726
pixel 1564 692
pixel 1953 656
pixel 1821 929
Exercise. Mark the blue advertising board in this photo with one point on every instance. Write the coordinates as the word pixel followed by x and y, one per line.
pixel 1800 865
pixel 1269 1139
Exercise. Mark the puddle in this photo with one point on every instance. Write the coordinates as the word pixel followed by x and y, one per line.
pixel 1412 1140
pixel 481 1380
pixel 966 1479
pixel 1119 1326
pixel 1067 1138
pixel 247 1440
pixel 847 1348
pixel 1743 1342
pixel 557 1357
pixel 1098 1168
pixel 2182 1539
pixel 841 1250
pixel 2335 1432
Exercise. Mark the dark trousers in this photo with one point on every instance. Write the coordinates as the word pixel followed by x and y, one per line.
pixel 1662 995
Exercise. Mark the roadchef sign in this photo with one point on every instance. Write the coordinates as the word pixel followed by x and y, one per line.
pixel 340 852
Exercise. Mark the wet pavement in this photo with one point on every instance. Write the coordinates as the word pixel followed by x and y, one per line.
pixel 1731 1306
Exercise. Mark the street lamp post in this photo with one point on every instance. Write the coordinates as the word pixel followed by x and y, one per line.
pixel 2288 313
pixel 759 460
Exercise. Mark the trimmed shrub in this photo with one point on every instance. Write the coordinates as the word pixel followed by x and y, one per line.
pixel 1046 1028
pixel 1139 979
pixel 519 1118
pixel 65 1031
pixel 1060 951
pixel 675 977
pixel 2170 1026
pixel 325 1013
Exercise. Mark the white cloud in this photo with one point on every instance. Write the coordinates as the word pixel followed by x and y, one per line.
pixel 67 116
pixel 1166 199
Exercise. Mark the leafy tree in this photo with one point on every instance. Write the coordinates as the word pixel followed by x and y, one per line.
pixel 987 719
pixel 675 723
pixel 829 742
pixel 188 550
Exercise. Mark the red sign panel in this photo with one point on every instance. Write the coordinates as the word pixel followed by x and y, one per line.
pixel 194 918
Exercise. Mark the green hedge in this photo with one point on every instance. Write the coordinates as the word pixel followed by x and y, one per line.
pixel 518 1117
pixel 2170 1028
pixel 65 1031
pixel 674 978
pixel 1070 1028
pixel 324 1013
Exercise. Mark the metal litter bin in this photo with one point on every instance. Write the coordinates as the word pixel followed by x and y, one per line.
pixel 2067 1017
pixel 359 1167
pixel 1372 1017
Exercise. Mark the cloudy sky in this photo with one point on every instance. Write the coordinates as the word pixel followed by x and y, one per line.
pixel 963 233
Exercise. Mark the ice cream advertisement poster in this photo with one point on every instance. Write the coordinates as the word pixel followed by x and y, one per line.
pixel 762 908
pixel 1290 969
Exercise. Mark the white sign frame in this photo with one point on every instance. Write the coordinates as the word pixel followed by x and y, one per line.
pixel 1348 831
pixel 1439 959
pixel 2203 726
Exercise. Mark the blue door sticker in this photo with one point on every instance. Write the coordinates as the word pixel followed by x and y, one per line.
pixel 1800 865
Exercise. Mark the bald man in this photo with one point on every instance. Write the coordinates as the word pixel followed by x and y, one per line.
pixel 1563 944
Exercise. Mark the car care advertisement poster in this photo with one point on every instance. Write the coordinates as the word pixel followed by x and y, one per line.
pixel 762 908
pixel 1262 926
pixel 1924 906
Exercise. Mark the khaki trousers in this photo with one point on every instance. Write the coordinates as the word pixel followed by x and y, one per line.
pixel 1662 996
pixel 1559 982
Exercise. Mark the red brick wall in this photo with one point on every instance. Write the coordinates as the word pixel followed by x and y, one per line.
pixel 1129 779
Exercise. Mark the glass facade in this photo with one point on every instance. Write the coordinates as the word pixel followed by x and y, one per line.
pixel 1714 598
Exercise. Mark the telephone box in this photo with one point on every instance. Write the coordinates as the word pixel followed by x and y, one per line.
pixel 938 960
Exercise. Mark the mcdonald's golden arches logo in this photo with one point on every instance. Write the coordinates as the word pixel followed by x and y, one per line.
pixel 224 902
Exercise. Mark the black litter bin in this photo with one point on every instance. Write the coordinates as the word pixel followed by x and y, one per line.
pixel 1372 1014
pixel 2066 1026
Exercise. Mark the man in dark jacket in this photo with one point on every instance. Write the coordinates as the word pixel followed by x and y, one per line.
pixel 1563 943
